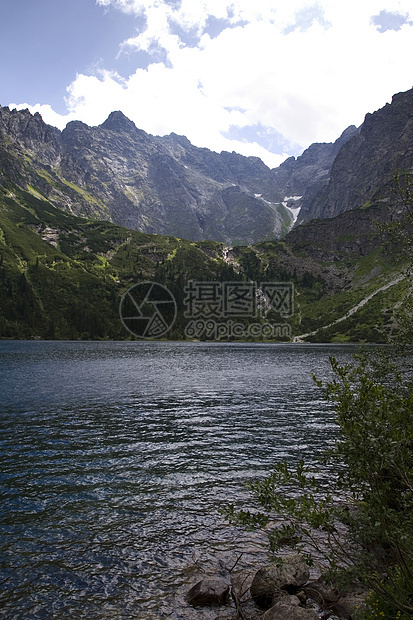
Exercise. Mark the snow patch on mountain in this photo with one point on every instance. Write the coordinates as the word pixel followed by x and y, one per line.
pixel 288 203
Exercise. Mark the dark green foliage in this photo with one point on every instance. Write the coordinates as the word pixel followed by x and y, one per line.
pixel 356 513
pixel 95 262
pixel 374 404
pixel 251 265
pixel 62 276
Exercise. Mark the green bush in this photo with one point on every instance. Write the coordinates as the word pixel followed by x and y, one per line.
pixel 356 510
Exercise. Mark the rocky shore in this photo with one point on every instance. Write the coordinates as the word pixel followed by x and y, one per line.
pixel 282 590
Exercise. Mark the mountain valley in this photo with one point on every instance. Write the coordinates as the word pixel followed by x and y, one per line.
pixel 87 212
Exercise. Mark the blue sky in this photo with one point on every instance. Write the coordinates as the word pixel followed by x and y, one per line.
pixel 46 43
pixel 264 78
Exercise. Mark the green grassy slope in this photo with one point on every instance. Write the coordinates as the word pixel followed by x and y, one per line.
pixel 63 276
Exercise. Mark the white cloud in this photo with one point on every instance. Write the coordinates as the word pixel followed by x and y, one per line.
pixel 305 70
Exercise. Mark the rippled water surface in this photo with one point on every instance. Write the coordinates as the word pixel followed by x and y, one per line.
pixel 115 458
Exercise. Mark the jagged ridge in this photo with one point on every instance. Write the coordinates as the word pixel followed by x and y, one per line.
pixel 119 173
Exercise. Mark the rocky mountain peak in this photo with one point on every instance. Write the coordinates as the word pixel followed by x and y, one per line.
pixel 76 126
pixel 305 175
pixel 119 173
pixel 25 126
pixel 348 133
pixel 118 122
pixel 76 134
pixel 366 164
pixel 23 133
pixel 166 185
pixel 182 140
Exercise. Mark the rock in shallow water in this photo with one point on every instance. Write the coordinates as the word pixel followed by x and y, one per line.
pixel 282 611
pixel 269 581
pixel 211 591
pixel 322 592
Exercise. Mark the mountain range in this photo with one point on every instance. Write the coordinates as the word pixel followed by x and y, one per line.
pixel 87 211
pixel 166 185
pixel 163 185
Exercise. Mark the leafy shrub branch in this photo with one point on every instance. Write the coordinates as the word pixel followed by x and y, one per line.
pixel 354 516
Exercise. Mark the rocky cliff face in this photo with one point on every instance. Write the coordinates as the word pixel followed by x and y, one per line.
pixel 365 165
pixel 311 172
pixel 164 185
pixel 119 173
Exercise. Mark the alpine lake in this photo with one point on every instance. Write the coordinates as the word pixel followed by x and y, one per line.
pixel 116 458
